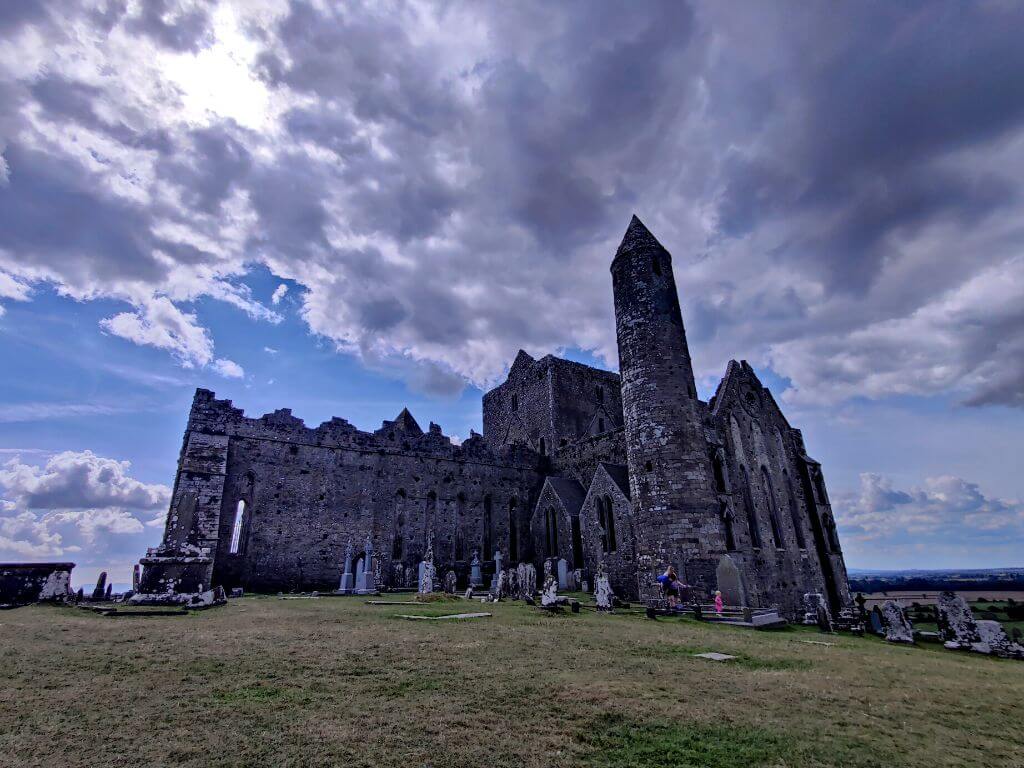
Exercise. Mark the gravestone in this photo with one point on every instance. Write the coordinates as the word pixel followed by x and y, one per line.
pixel 450 582
pixel 957 626
pixel 563 574
pixel 136 576
pixel 469 593
pixel 427 571
pixel 476 577
pixel 548 569
pixel 585 585
pixel 603 592
pixel 237 592
pixel 499 585
pixel 814 603
pixel 101 586
pixel 877 624
pixel 730 582
pixel 898 628
pixel 498 570
pixel 397 575
pixel 368 575
pixel 360 576
pixel 513 582
pixel 408 582
pixel 348 579
pixel 527 581
pixel 549 594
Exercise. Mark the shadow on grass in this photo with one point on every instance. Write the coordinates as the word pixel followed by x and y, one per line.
pixel 617 742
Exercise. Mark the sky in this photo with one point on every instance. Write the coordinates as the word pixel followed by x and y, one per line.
pixel 346 209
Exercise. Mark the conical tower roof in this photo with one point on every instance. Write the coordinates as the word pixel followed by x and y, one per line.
pixel 637 236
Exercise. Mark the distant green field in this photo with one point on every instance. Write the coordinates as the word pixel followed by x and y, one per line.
pixel 270 682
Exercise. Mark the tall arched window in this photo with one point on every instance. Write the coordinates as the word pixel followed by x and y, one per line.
pixel 819 485
pixel 773 513
pixel 551 531
pixel 513 531
pixel 460 522
pixel 718 462
pixel 398 543
pixel 487 527
pixel 726 515
pixel 794 512
pixel 610 514
pixel 748 507
pixel 236 531
pixel 602 522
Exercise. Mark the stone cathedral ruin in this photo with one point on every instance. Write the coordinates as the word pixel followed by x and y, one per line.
pixel 618 473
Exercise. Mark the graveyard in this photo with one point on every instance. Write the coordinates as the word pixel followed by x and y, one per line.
pixel 290 680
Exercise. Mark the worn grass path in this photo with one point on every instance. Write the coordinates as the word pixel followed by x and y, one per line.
pixel 265 681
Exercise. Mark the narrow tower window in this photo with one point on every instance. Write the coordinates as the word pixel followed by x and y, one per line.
pixel 748 507
pixel 773 513
pixel 612 545
pixel 515 402
pixel 794 512
pixel 236 531
pixel 487 527
pixel 730 537
pixel 513 531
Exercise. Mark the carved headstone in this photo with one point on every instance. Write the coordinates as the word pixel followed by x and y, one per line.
pixel 527 581
pixel 563 573
pixel 549 594
pixel 407 581
pixel 348 580
pixel 499 588
pixel 450 582
pixel 730 582
pixel 368 576
pixel 549 569
pixel 957 626
pixel 513 582
pixel 603 592
pixel 476 577
pixel 426 585
pixel 898 628
pixel 101 586
pixel 360 575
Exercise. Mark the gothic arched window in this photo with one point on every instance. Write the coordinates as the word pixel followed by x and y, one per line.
pixel 748 507
pixel 236 530
pixel 794 512
pixel 773 513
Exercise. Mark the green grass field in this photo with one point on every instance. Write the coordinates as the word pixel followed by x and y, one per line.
pixel 333 681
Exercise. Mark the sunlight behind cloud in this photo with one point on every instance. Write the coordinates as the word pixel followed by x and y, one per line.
pixel 218 81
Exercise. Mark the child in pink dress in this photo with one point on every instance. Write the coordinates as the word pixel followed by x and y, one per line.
pixel 718 602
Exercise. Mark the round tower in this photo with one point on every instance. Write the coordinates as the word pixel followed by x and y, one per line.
pixel 671 482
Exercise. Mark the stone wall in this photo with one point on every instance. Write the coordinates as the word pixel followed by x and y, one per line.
pixel 24 583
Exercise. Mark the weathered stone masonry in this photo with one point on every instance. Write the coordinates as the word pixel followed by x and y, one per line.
pixel 575 463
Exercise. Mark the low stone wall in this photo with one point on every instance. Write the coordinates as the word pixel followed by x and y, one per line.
pixel 24 583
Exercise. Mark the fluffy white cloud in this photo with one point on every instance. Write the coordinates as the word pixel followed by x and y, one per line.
pixel 946 515
pixel 279 293
pixel 228 369
pixel 79 505
pixel 78 480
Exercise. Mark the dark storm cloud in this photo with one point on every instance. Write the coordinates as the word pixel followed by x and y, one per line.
pixel 448 182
